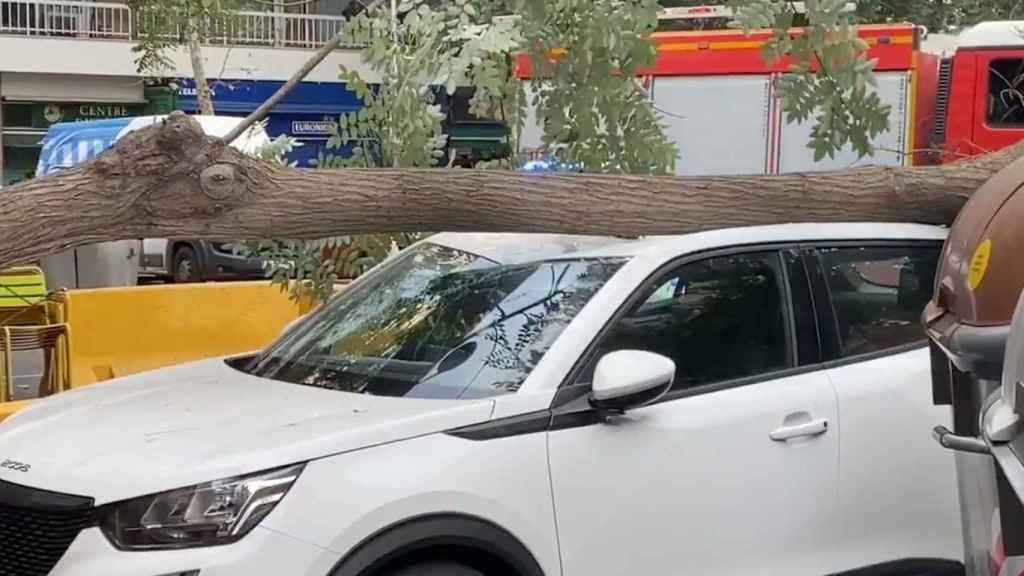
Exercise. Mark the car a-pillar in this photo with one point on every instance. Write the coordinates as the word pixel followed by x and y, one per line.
pixel 440 545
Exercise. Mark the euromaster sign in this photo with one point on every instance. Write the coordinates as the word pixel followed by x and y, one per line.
pixel 311 128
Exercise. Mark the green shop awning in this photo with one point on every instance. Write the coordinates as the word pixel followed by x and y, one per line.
pixel 491 138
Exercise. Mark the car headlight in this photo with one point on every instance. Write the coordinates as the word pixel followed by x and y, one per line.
pixel 210 514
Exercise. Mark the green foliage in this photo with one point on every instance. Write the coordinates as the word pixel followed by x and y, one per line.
pixel 278 149
pixel 586 55
pixel 592 104
pixel 400 125
pixel 831 80
pixel 311 269
pixel 416 50
pixel 166 24
pixel 939 15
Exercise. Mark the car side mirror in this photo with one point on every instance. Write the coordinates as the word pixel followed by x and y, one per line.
pixel 629 379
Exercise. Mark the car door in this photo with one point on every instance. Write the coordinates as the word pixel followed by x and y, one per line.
pixel 735 469
pixel 897 492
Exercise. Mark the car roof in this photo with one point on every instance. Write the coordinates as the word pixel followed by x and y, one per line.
pixel 508 248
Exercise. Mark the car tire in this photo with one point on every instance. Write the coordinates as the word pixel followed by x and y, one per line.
pixel 186 266
pixel 439 568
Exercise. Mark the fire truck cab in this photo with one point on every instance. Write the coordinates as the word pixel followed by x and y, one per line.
pixel 980 96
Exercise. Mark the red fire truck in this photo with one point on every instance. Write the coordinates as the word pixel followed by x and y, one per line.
pixel 720 101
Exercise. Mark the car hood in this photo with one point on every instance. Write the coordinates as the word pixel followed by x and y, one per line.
pixel 200 422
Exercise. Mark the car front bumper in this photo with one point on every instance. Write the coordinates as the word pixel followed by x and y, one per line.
pixel 263 552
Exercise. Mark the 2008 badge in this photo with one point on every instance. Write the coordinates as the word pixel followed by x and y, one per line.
pixel 16 466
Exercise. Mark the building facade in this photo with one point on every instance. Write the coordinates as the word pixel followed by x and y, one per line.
pixel 67 60
pixel 305 113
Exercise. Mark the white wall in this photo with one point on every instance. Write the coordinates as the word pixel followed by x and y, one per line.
pixel 71 87
pixel 719 123
pixel 894 90
pixel 115 58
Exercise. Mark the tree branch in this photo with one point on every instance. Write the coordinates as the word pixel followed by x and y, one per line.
pixel 300 74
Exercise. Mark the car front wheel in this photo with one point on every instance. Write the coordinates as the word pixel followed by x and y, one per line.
pixel 435 569
pixel 186 266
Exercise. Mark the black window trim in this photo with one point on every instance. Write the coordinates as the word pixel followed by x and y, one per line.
pixel 868 356
pixel 813 256
pixel 567 399
pixel 789 314
pixel 817 352
pixel 824 313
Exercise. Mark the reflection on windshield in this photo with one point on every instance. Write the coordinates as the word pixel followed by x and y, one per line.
pixel 437 323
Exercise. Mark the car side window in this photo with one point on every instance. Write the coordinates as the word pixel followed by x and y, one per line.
pixel 719 319
pixel 878 294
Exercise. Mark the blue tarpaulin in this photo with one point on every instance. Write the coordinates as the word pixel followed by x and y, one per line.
pixel 71 143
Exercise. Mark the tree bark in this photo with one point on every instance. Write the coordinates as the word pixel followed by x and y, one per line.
pixel 195 52
pixel 172 181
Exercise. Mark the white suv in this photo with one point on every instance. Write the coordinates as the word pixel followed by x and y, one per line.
pixel 746 401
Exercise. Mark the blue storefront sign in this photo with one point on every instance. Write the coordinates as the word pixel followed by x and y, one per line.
pixel 305 113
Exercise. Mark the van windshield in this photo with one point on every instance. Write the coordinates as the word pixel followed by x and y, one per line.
pixel 436 322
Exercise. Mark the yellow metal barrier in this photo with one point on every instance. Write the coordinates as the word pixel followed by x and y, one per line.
pixel 123 331
pixel 9 408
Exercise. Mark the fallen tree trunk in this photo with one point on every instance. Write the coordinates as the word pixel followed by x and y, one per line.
pixel 172 181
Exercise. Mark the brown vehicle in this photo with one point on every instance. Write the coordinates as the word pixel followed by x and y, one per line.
pixel 980 278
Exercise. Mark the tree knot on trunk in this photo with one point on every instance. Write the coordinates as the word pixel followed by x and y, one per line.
pixel 180 136
pixel 897 182
pixel 174 171
pixel 220 183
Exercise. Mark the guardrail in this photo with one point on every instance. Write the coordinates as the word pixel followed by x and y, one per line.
pixel 105 20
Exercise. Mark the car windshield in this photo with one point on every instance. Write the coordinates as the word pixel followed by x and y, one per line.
pixel 436 322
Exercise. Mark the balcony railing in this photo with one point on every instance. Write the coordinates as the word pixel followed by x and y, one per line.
pixel 270 29
pixel 69 18
pixel 65 18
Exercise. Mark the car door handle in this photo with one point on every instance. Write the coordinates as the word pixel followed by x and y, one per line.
pixel 812 428
pixel 952 441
